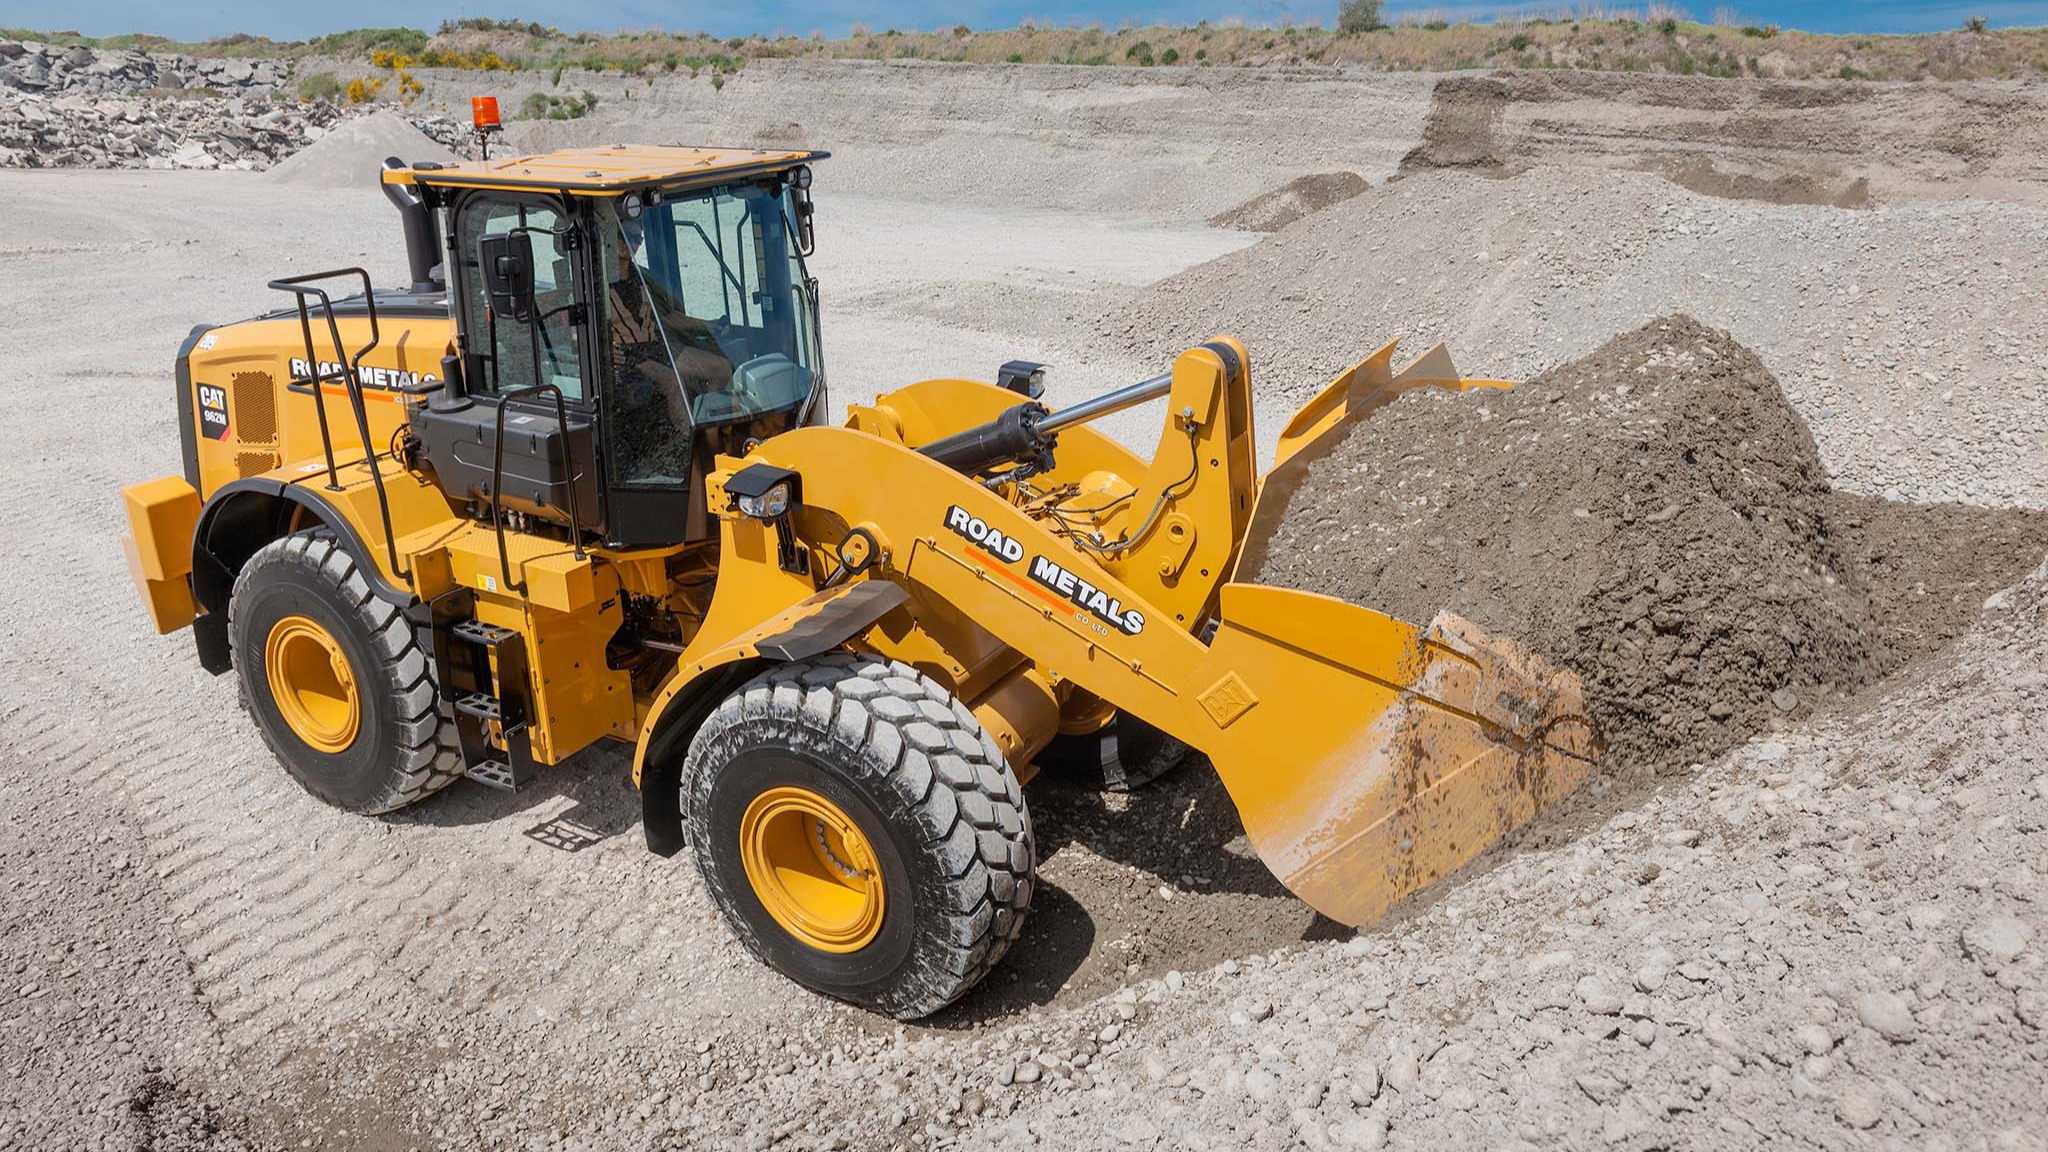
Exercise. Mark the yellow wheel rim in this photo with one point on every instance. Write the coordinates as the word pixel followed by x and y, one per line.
pixel 312 684
pixel 812 868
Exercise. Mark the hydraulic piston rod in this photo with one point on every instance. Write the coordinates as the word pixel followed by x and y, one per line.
pixel 1025 432
pixel 1126 397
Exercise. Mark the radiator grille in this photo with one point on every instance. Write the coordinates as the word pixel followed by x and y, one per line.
pixel 256 463
pixel 255 400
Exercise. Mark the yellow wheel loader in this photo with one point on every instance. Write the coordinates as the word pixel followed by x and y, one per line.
pixel 578 481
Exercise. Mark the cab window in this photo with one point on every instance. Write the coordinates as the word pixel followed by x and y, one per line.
pixel 517 354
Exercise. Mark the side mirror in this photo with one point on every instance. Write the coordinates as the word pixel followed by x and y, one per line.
pixel 508 275
pixel 806 237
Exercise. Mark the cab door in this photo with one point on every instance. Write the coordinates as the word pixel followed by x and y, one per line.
pixel 503 355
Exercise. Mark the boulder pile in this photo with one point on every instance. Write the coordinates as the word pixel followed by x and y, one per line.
pixel 128 131
pixel 32 66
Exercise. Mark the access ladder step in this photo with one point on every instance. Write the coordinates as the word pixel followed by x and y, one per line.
pixel 495 774
pixel 481 705
pixel 478 632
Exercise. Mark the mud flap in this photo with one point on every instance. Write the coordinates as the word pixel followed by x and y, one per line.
pixel 1368 757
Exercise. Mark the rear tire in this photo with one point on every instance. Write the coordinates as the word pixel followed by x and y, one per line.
pixel 356 717
pixel 913 804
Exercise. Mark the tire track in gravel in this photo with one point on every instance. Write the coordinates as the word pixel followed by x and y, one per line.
pixel 294 917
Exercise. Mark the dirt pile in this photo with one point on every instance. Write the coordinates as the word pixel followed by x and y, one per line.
pixel 1655 516
pixel 1301 196
pixel 352 154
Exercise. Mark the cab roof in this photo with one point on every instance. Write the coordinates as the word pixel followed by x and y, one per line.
pixel 605 170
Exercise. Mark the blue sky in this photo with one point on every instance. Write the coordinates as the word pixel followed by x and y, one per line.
pixel 217 17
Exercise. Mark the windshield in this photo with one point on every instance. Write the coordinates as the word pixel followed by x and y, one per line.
pixel 707 320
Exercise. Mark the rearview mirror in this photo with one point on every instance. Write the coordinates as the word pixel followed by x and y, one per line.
pixel 508 275
pixel 806 238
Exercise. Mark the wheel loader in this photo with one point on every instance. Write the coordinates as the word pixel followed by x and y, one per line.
pixel 580 480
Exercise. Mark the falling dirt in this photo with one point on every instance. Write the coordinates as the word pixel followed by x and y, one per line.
pixel 1654 516
pixel 1299 197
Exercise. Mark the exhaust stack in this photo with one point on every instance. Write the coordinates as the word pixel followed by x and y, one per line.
pixel 422 254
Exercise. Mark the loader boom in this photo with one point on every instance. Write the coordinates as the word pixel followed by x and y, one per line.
pixel 1366 756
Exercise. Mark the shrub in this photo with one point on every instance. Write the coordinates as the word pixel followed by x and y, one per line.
pixel 1142 48
pixel 534 106
pixel 1170 56
pixel 589 99
pixel 492 62
pixel 556 80
pixel 320 86
pixel 1518 42
pixel 1354 16
pixel 1669 27
pixel 1201 53
pixel 1015 58
pixel 1975 24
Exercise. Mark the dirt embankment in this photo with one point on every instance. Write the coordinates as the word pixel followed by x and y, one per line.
pixel 1656 517
pixel 1302 196
pixel 1845 144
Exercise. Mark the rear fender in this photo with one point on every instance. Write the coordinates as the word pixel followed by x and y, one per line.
pixel 810 627
pixel 239 519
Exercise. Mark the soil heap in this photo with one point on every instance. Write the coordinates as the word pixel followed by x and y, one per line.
pixel 1655 516
pixel 352 154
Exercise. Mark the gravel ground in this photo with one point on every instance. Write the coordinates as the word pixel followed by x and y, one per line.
pixel 1827 936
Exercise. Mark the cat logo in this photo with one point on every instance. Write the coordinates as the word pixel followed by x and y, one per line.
pixel 213 412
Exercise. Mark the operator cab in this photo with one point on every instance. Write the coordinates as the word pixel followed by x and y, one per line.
pixel 657 297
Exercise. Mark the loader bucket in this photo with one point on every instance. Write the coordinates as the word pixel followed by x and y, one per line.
pixel 1367 757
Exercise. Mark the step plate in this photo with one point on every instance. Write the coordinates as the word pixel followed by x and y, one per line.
pixel 494 774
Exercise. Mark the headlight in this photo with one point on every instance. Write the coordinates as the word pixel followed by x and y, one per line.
pixel 769 505
pixel 763 491
pixel 630 205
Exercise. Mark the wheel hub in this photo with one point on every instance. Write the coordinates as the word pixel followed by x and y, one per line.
pixel 312 685
pixel 812 868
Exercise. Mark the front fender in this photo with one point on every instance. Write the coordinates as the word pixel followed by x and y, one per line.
pixel 810 627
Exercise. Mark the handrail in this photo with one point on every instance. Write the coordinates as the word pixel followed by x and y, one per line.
pixel 498 476
pixel 351 380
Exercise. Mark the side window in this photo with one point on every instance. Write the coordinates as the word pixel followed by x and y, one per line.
pixel 518 354
pixel 712 281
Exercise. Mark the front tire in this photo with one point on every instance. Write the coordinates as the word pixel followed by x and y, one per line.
pixel 860 832
pixel 335 680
